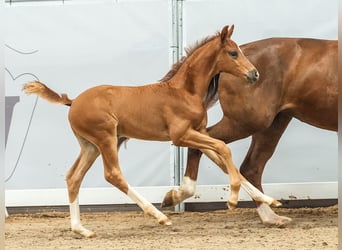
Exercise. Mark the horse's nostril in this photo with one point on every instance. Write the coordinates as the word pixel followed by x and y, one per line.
pixel 256 74
pixel 253 75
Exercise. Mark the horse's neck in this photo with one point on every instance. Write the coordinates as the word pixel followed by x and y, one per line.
pixel 197 71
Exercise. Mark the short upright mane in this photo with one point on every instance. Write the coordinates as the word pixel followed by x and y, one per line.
pixel 189 50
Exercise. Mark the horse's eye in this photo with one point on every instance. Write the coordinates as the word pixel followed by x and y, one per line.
pixel 233 54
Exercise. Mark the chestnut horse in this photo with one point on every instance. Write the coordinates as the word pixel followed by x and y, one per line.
pixel 298 78
pixel 174 109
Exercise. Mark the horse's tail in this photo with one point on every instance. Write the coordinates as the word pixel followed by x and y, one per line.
pixel 46 93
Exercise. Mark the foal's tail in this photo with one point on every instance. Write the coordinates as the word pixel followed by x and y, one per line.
pixel 46 93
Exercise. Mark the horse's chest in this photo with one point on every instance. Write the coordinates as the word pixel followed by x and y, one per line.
pixel 197 116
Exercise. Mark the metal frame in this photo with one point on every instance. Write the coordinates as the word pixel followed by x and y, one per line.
pixel 177 53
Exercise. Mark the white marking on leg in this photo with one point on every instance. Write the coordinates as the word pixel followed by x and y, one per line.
pixel 257 195
pixel 186 189
pixel 147 207
pixel 75 220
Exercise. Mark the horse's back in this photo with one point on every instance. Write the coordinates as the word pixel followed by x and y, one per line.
pixel 132 111
pixel 311 83
pixel 297 76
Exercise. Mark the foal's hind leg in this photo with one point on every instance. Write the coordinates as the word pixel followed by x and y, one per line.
pixel 74 178
pixel 112 171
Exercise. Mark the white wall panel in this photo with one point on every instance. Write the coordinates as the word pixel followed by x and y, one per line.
pixel 71 48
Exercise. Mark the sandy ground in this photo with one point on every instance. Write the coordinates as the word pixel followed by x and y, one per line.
pixel 312 228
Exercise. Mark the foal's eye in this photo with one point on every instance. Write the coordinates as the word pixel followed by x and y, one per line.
pixel 233 54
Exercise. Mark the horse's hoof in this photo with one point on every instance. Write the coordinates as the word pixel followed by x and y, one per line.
pixel 91 234
pixel 269 218
pixel 278 221
pixel 232 205
pixel 165 221
pixel 168 199
pixel 85 232
pixel 276 203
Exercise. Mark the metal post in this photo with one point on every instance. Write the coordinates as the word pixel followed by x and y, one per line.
pixel 177 53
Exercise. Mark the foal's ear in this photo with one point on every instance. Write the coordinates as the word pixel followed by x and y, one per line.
pixel 226 32
pixel 230 31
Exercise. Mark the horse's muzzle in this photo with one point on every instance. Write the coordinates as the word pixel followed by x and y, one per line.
pixel 252 76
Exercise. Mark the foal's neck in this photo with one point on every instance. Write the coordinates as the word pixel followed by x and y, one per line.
pixel 197 70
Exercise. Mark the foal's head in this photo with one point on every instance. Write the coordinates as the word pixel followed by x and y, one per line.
pixel 232 60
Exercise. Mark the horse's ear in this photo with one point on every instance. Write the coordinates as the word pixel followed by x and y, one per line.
pixel 224 33
pixel 230 31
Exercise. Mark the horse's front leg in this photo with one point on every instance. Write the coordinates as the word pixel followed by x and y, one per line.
pixel 187 188
pixel 237 180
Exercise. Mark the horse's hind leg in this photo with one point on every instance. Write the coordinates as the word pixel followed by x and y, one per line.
pixel 113 174
pixel 260 151
pixel 74 178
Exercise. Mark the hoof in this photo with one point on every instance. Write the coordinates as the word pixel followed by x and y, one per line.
pixel 279 221
pixel 85 233
pixel 232 205
pixel 269 218
pixel 165 221
pixel 276 203
pixel 168 199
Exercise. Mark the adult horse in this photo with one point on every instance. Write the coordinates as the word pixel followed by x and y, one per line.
pixel 174 109
pixel 298 79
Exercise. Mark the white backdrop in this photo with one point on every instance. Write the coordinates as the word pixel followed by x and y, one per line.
pixel 76 47
pixel 79 44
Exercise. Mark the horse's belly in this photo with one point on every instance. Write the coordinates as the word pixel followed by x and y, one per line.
pixel 325 118
pixel 143 130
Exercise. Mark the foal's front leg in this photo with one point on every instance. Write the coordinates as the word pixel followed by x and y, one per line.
pixel 218 152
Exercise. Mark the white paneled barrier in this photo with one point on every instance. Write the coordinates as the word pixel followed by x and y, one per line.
pixel 204 193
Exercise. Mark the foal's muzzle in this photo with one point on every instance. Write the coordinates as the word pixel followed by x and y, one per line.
pixel 252 76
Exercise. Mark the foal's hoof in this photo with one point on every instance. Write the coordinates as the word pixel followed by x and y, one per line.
pixel 276 203
pixel 85 232
pixel 168 199
pixel 165 221
pixel 232 205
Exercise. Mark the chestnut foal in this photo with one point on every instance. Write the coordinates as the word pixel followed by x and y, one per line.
pixel 172 109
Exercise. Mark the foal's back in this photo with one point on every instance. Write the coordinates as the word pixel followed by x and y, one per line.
pixel 141 112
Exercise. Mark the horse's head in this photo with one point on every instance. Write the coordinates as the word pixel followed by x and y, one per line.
pixel 232 60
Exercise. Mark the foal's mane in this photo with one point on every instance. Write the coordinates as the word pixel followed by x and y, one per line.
pixel 189 51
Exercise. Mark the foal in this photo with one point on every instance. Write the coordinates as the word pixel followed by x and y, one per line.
pixel 299 79
pixel 173 109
